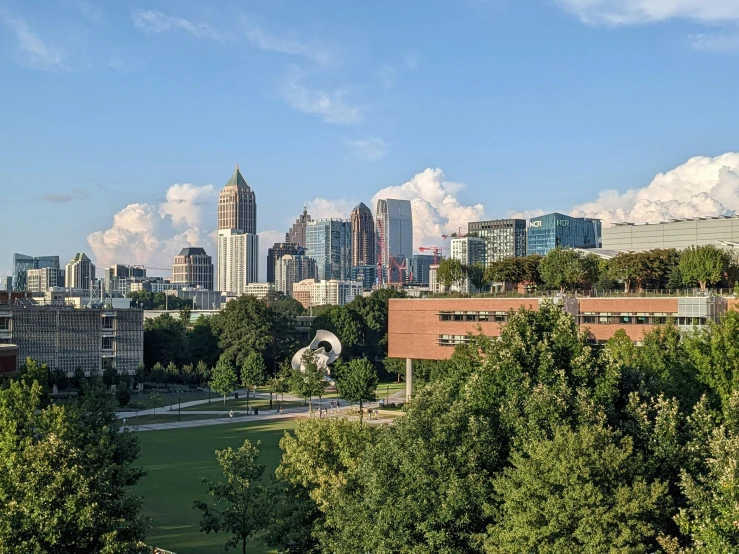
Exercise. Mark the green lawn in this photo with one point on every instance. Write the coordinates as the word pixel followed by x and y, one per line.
pixel 240 404
pixel 152 399
pixel 384 388
pixel 167 418
pixel 177 460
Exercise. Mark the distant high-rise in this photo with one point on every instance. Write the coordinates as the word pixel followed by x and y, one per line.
pixel 117 277
pixel 192 266
pixel 296 234
pixel 329 242
pixel 274 254
pixel 291 269
pixel 394 224
pixel 40 280
pixel 80 272
pixel 238 260
pixel 22 263
pixel 469 250
pixel 418 268
pixel 237 205
pixel 363 236
pixel 550 231
pixel 504 238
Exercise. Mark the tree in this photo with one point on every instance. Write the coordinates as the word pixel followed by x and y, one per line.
pixel 283 383
pixel 164 341
pixel 358 383
pixel 476 275
pixel 705 265
pixel 562 268
pixel 252 373
pixel 579 492
pixel 239 502
pixel 283 304
pixel 450 272
pixel 629 267
pixel 203 342
pixel 173 372
pixel 507 270
pixel 203 372
pixel 223 380
pixel 311 380
pixel 68 473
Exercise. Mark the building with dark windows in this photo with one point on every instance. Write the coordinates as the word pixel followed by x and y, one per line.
pixel 296 234
pixel 394 230
pixel 365 274
pixel 504 238
pixel 80 272
pixel 363 236
pixel 291 269
pixel 329 242
pixel 418 269
pixel 192 266
pixel 237 205
pixel 22 263
pixel 547 232
pixel 278 250
pixel 117 278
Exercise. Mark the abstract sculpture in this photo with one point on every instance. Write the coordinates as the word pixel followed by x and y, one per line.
pixel 323 358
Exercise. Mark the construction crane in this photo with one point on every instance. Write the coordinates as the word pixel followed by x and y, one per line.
pixel 434 249
pixel 458 235
pixel 401 267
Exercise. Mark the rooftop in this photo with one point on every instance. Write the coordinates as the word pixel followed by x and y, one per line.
pixel 193 251
pixel 676 220
pixel 237 180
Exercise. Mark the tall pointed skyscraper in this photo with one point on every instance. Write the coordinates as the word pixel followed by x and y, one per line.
pixel 238 242
pixel 237 205
pixel 296 234
pixel 363 236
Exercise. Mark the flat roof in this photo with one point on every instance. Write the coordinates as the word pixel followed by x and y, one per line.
pixel 677 220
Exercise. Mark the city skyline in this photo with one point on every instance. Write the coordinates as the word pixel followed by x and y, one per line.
pixel 329 107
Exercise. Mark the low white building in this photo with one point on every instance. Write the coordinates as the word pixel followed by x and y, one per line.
pixel 326 292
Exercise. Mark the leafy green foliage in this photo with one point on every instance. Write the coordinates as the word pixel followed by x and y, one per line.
pixel 450 273
pixel 239 507
pixel 563 269
pixel 358 382
pixel 705 265
pixel 223 379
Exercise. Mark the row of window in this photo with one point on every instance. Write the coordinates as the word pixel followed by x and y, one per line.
pixel 588 319
pixel 498 317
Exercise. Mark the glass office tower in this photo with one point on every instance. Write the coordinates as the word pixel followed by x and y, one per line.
pixel 22 263
pixel 547 232
pixel 329 242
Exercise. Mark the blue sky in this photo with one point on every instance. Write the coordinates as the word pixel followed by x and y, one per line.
pixel 524 106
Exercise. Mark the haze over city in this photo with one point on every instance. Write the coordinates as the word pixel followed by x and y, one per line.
pixel 126 120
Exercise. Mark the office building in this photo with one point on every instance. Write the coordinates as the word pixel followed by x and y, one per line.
pixel 192 266
pixel 259 290
pixel 8 283
pixel 238 260
pixel 469 251
pixel 117 277
pixel 722 231
pixel 65 338
pixel 418 269
pixel 363 236
pixel 39 280
pixel 365 274
pixel 22 263
pixel 504 238
pixel 547 232
pixel 278 250
pixel 429 329
pixel 296 234
pixel 237 205
pixel 329 242
pixel 80 273
pixel 203 299
pixel 291 269
pixel 394 231
pixel 326 292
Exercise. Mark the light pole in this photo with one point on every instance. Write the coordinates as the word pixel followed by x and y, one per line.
pixel 179 405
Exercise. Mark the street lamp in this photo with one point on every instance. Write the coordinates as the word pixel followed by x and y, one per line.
pixel 179 405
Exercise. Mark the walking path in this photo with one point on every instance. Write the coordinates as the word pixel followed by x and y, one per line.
pixel 237 417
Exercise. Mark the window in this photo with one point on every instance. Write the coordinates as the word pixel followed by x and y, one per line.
pixel 588 319
pixel 642 320
pixel 107 323
pixel 482 316
pixel 107 343
pixel 4 323
pixel 470 317
pixel 458 317
pixel 603 320
pixel 445 317
pixel 625 320
pixel 660 320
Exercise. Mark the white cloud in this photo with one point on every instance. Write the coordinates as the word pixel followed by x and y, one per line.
pixel 151 235
pixel 370 149
pixel 526 214
pixel 88 10
pixel 436 209
pixel 331 105
pixel 716 43
pixel 266 240
pixel 259 38
pixel 33 52
pixel 700 187
pixel 631 12
pixel 325 208
pixel 155 22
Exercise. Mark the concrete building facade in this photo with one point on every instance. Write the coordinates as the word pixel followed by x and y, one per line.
pixel 504 238
pixel 326 292
pixel 293 269
pixel 469 251
pixel 39 280
pixel 238 260
pixel 192 266
pixel 117 277
pixel 720 231
pixel 278 250
pixel 68 338
pixel 296 234
pixel 237 205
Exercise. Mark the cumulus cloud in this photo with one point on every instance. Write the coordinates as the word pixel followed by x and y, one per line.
pixel 700 187
pixel 266 240
pixel 630 12
pixel 327 208
pixel 436 209
pixel 151 235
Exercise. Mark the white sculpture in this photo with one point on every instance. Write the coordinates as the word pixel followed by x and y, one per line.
pixel 323 358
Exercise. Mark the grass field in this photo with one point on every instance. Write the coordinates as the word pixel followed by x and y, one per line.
pixel 177 460
pixel 240 404
pixel 167 417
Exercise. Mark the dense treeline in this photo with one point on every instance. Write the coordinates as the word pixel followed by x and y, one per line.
pixel 567 269
pixel 536 442
pixel 178 351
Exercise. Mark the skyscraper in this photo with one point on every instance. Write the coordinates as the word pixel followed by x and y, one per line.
pixel 296 234
pixel 547 232
pixel 505 238
pixel 291 269
pixel 363 236
pixel 80 272
pixel 117 278
pixel 394 221
pixel 238 242
pixel 329 242
pixel 237 205
pixel 469 250
pixel 40 280
pixel 238 255
pixel 192 266
pixel 274 254
pixel 22 263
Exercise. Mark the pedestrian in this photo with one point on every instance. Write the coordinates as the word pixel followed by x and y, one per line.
pixel 230 413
